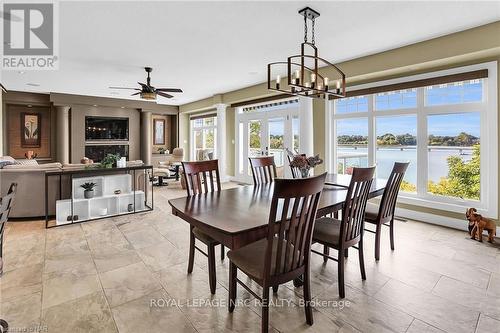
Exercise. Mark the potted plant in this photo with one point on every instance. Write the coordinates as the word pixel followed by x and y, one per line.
pixel 110 160
pixel 89 189
pixel 162 150
pixel 304 163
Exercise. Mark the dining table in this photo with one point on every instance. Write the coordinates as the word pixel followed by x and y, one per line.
pixel 238 216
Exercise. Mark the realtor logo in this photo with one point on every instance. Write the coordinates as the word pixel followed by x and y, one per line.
pixel 29 32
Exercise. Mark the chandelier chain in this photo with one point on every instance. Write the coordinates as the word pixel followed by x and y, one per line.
pixel 305 29
pixel 313 40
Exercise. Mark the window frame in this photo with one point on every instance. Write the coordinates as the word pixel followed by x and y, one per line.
pixel 488 109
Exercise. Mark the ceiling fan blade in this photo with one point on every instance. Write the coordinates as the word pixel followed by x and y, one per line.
pixel 124 88
pixel 175 90
pixel 137 93
pixel 143 84
pixel 164 95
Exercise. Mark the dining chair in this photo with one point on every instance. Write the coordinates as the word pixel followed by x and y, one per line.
pixel 263 169
pixel 295 171
pixel 385 213
pixel 348 231
pixel 203 177
pixel 5 206
pixel 284 255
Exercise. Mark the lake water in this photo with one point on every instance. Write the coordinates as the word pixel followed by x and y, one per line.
pixel 438 166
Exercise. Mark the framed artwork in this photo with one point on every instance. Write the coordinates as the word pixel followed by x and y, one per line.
pixel 159 132
pixel 31 125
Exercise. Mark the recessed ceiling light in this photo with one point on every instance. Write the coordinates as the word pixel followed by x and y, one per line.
pixel 29 105
pixel 33 84
pixel 122 107
pixel 21 72
pixel 95 105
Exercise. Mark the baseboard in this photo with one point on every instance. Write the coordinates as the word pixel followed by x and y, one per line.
pixel 436 219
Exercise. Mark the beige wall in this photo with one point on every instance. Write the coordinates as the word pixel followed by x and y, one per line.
pixel 230 140
pixel 477 45
pixel 77 127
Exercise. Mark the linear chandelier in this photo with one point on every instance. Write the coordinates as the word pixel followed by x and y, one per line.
pixel 303 77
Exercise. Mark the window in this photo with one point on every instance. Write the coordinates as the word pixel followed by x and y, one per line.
pixel 203 137
pixel 352 144
pixel 397 142
pixel 440 129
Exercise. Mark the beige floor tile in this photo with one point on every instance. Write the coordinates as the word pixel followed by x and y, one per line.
pixel 107 261
pixel 487 325
pixel 363 312
pixel 75 264
pixel 428 307
pixel 162 255
pixel 144 237
pixel 127 283
pixel 87 314
pixel 494 285
pixel 469 296
pixel 67 287
pixel 140 316
pixel 418 326
pixel 23 312
pixel 22 281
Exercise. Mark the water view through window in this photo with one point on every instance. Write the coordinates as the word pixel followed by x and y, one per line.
pixel 452 145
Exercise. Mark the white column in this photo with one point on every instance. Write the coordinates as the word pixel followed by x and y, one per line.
pixel 330 154
pixel 63 139
pixel 306 126
pixel 146 136
pixel 221 139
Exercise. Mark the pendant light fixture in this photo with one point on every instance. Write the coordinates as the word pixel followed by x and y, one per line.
pixel 303 75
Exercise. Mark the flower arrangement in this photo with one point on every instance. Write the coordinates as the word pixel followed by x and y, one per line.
pixel 304 163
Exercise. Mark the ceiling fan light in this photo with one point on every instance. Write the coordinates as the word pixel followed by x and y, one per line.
pixel 148 95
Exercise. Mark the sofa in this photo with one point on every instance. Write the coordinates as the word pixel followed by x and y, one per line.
pixel 30 196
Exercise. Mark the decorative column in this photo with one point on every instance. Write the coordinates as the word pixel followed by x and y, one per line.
pixel 63 139
pixel 146 136
pixel 306 126
pixel 221 139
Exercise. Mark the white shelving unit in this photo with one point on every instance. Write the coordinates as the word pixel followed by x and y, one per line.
pixel 104 203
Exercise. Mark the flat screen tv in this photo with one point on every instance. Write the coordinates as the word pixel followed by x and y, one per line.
pixel 106 128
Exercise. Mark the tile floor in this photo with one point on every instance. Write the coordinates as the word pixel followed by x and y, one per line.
pixel 128 274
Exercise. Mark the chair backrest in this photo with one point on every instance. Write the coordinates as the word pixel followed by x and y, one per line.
pixel 6 205
pixel 295 171
pixel 353 214
pixel 263 169
pixel 291 221
pixel 178 152
pixel 199 176
pixel 391 191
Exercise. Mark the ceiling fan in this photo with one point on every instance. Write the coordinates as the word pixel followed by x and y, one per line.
pixel 147 91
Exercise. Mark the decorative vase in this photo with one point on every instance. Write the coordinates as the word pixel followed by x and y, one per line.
pixel 88 194
pixel 304 172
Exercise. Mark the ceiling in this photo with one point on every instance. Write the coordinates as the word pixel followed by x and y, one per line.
pixel 206 48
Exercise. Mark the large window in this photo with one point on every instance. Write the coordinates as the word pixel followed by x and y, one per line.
pixel 438 128
pixel 203 137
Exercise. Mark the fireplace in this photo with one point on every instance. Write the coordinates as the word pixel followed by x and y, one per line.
pixel 98 152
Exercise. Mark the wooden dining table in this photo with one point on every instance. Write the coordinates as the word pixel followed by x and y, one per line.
pixel 238 216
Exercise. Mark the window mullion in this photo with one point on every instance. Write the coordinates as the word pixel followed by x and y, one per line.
pixel 372 136
pixel 422 156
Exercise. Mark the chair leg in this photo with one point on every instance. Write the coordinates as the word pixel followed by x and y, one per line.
pixel 361 259
pixel 346 253
pixel 222 252
pixel 391 232
pixel 233 274
pixel 275 289
pixel 307 298
pixel 341 261
pixel 211 268
pixel 192 240
pixel 378 231
pixel 265 310
pixel 326 252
